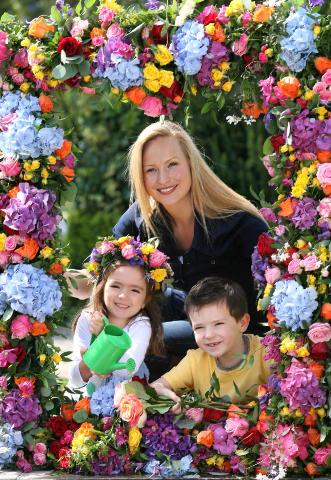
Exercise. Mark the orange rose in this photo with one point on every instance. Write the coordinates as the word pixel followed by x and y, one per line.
pixel 316 368
pixel 326 311
pixel 12 193
pixel 322 64
pixel 39 328
pixel 311 469
pixel 68 173
pixel 39 28
pixel 55 269
pixel 67 411
pixel 136 95
pixel 83 404
pixel 29 249
pixel 64 150
pixel 289 86
pixel 252 109
pixel 272 320
pixel 314 436
pixel 323 156
pixel 96 32
pixel 206 438
pixel 46 103
pixel 262 14
pixel 287 207
pixel 311 419
pixel 219 35
pixel 131 408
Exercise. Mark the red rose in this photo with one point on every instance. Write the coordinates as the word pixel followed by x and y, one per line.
pixel 303 103
pixel 57 425
pixel 277 141
pixel 175 92
pixel 74 81
pixel 70 45
pixel 319 351
pixel 252 437
pixel 155 34
pixel 264 245
pixel 55 448
pixel 289 251
pixel 64 457
pixel 208 15
pixel 211 415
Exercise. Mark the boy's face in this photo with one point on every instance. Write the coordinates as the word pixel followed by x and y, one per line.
pixel 218 333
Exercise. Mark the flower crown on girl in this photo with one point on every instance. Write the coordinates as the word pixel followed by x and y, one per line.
pixel 145 254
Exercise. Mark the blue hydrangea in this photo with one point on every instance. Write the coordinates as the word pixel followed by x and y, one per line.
pixel 10 439
pixel 11 102
pixel 300 43
pixel 294 305
pixel 30 291
pixel 124 73
pixel 189 45
pixel 49 140
pixel 171 468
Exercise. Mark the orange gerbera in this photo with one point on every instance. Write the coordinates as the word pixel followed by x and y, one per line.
pixel 316 368
pixel 252 109
pixel 29 249
pixel 39 328
pixel 314 436
pixel 311 469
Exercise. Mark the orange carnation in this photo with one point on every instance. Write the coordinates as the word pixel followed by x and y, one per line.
pixel 67 411
pixel 326 311
pixel 219 35
pixel 46 103
pixel 39 328
pixel 322 64
pixel 311 419
pixel 83 404
pixel 39 28
pixel 252 109
pixel 311 469
pixel 12 193
pixel 68 173
pixel 316 368
pixel 64 150
pixel 289 86
pixel 323 156
pixel 136 95
pixel 29 249
pixel 55 269
pixel 262 14
pixel 314 436
pixel 206 438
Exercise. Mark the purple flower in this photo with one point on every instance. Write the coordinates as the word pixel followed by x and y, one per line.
pixel 152 4
pixel 259 266
pixel 324 140
pixel 305 132
pixel 272 343
pixel 305 213
pixel 274 383
pixel 18 410
pixel 224 443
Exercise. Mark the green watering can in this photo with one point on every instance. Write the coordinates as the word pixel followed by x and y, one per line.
pixel 105 350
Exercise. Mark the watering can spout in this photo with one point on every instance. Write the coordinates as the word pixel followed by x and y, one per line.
pixel 130 365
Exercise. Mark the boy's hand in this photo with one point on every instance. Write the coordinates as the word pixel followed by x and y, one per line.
pixel 162 387
pixel 96 323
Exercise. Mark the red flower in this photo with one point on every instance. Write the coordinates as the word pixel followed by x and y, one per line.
pixel 57 425
pixel 252 437
pixel 64 457
pixel 55 448
pixel 319 351
pixel 175 92
pixel 211 415
pixel 289 251
pixel 155 34
pixel 74 81
pixel 277 141
pixel 302 103
pixel 70 45
pixel 264 245
pixel 143 381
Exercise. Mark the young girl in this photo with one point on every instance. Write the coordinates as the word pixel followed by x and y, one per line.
pixel 127 274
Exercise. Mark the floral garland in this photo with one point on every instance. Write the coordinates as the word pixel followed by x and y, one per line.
pixel 270 59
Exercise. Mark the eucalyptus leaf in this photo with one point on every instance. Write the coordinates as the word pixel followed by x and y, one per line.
pixel 49 405
pixel 84 68
pixel 68 195
pixel 45 391
pixel 185 422
pixel 80 416
pixel 138 389
pixel 8 314
pixel 59 72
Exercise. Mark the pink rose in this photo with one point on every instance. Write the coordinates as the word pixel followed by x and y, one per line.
pixel 324 208
pixel 3 382
pixel 294 267
pixel 39 458
pixel 10 167
pixel 323 90
pixel 268 214
pixel 23 465
pixel 67 437
pixel 195 414
pixel 4 51
pixel 246 18
pixel 152 106
pixel 319 332
pixel 130 409
pixel 321 455
pixel 157 258
pixel 107 247
pixel 310 263
pixel 115 31
pixel 327 77
pixel 272 274
pixel 239 46
pixel 236 426
pixel 11 242
pixel 20 326
pixel 324 174
pixel 16 258
pixel 40 448
pixel 128 252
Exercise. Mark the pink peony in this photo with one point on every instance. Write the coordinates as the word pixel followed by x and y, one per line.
pixel 272 275
pixel 321 455
pixel 40 448
pixel 128 252
pixel 195 414
pixel 20 326
pixel 157 258
pixel 319 332
pixel 324 174
pixel 10 167
pixel 239 46
pixel 39 458
pixel 294 267
pixel 152 106
pixel 310 263
pixel 236 426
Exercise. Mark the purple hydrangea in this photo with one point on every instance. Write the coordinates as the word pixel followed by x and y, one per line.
pixel 110 464
pixel 305 132
pixel 18 410
pixel 301 388
pixel 224 443
pixel 31 213
pixel 272 343
pixel 305 213
pixel 324 140
pixel 259 266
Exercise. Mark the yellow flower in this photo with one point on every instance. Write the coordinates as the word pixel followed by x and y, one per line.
pixel 112 5
pixel 134 439
pixel 25 87
pixel 44 173
pixel 28 176
pixel 309 95
pixel 39 75
pixel 317 30
pixel 210 28
pixel 311 279
pixel 216 75
pixel 35 69
pixel 224 66
pixel 3 237
pixel 298 413
pixel 35 165
pixel 147 249
pixel 151 72
pixel 283 149
pixel 316 182
pixel 321 412
pixel 284 412
pixel 220 462
pixel 163 55
pixel 53 83
pixel 300 243
pixel 269 52
pixel 152 85
pixel 51 160
pixel 267 289
pixel 56 357
pixel 42 358
pixel 159 274
pixel 115 91
pixel 166 78
pixel 64 261
pixel 321 112
pixel 302 352
pixel 40 56
pixel 235 8
pixel 287 345
pixel 26 42
pixel 46 252
pixel 322 289
pixel 227 86
pixel 87 78
pixel 211 460
pixel 194 89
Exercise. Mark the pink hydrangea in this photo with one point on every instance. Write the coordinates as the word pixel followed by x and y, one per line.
pixel 319 332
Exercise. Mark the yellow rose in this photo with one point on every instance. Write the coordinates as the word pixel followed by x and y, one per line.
pixel 53 83
pixel 227 86
pixel 321 412
pixel 302 352
pixel 159 274
pixel 309 95
pixel 42 358
pixel 64 261
pixel 284 412
pixel 39 75
pixel 152 85
pixel 35 165
pixel 216 75
pixel 194 89
pixel 224 66
pixel 151 72
pixel 46 252
pixel 44 173
pixel 3 237
pixel 163 55
pixel 166 78
pixel 317 30
pixel 28 176
pixel 26 42
pixel 51 160
pixel 210 28
pixel 134 439
pixel 56 357
pixel 25 87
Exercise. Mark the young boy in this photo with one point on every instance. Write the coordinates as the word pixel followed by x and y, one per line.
pixel 217 309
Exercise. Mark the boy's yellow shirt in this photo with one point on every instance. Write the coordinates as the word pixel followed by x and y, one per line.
pixel 196 368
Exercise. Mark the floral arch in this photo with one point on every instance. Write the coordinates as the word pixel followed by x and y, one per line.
pixel 268 59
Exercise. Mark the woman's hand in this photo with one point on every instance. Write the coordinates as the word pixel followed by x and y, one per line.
pixel 96 322
pixel 81 280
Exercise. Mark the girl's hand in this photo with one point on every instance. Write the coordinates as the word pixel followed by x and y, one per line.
pixel 96 323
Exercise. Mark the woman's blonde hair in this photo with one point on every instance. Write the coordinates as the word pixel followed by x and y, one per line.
pixel 211 198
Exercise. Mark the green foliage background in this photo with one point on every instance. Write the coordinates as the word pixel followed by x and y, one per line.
pixel 103 128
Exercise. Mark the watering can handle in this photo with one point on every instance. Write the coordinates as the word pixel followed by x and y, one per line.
pixel 105 322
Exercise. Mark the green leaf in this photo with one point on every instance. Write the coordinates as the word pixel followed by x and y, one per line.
pixel 45 391
pixel 236 389
pixel 56 15
pixel 7 17
pixel 7 315
pixel 89 3
pixel 68 195
pixel 207 106
pixel 328 461
pixel 138 389
pixel 59 72
pixel 184 422
pixel 84 68
pixel 78 8
pixel 80 416
pixel 267 149
pixel 49 405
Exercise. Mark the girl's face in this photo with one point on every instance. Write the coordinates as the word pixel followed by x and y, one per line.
pixel 125 293
pixel 166 172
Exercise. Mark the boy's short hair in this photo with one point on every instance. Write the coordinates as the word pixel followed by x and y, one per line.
pixel 217 290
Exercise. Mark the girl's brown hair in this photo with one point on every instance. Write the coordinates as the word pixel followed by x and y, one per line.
pixel 152 309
